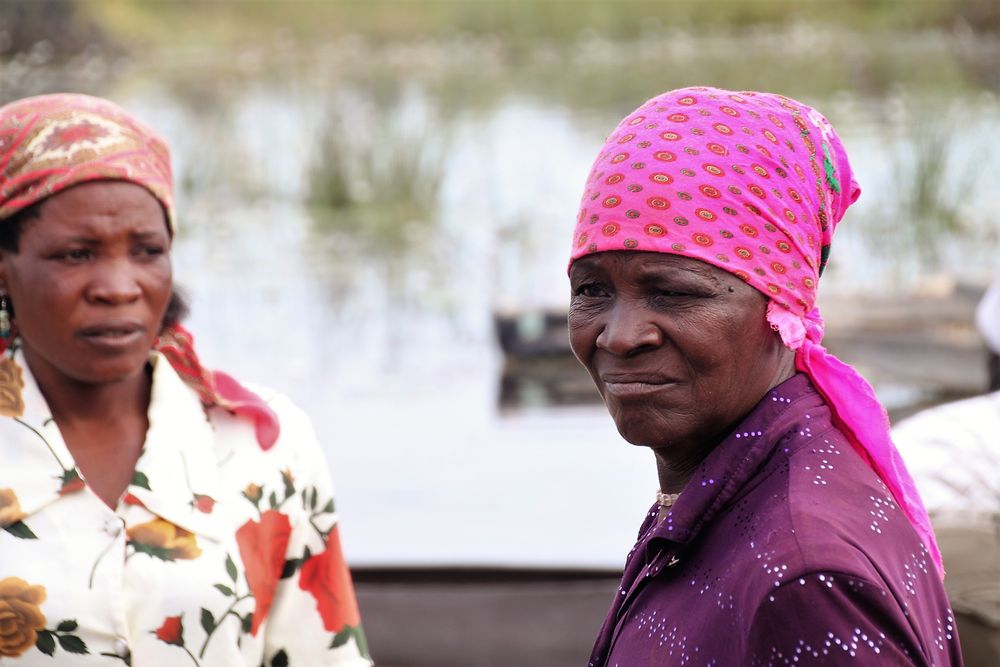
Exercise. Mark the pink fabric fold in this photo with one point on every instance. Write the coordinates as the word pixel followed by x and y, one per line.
pixel 857 412
pixel 754 184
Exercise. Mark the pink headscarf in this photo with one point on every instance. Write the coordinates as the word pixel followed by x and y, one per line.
pixel 754 184
pixel 53 142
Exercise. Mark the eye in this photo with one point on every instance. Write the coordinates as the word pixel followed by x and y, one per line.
pixel 591 291
pixel 150 250
pixel 74 255
pixel 670 293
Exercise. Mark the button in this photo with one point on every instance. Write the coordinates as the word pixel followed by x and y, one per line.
pixel 121 648
pixel 113 526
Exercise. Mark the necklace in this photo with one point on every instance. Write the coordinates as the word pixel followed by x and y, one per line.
pixel 666 499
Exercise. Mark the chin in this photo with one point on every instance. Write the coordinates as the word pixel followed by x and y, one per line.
pixel 110 372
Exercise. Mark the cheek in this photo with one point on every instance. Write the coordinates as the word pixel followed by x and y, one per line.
pixel 158 285
pixel 582 336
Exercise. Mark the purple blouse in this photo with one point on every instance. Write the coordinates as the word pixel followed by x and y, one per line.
pixel 784 549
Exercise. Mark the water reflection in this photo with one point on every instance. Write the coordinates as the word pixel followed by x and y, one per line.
pixel 354 216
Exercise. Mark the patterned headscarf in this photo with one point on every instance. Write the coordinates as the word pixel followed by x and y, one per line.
pixel 754 184
pixel 53 142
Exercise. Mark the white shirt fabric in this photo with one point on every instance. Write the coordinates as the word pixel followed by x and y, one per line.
pixel 181 571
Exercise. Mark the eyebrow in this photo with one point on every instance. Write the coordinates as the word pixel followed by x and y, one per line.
pixel 654 271
pixel 95 241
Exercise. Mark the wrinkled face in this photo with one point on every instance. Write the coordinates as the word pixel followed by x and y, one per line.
pixel 90 282
pixel 679 349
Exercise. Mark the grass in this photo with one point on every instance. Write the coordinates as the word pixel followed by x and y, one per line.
pixel 375 175
pixel 235 23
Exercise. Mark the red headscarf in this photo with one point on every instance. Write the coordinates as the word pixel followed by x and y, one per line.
pixel 754 184
pixel 52 142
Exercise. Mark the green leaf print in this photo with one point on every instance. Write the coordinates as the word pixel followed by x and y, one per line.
pixel 341 638
pixel 73 644
pixel 280 659
pixel 140 480
pixel 45 642
pixel 231 568
pixel 225 590
pixel 207 621
pixel 21 530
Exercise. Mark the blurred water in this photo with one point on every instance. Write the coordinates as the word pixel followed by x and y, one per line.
pixel 391 347
pixel 377 317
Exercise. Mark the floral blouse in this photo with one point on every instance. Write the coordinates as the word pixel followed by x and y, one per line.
pixel 219 553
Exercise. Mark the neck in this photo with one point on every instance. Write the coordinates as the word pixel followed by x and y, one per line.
pixel 674 472
pixel 74 402
pixel 676 465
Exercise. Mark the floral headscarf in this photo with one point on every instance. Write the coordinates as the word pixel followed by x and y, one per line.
pixel 52 142
pixel 754 184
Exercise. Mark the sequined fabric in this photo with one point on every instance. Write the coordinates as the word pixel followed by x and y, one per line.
pixel 785 548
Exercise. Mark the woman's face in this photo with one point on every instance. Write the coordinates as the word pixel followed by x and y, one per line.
pixel 679 349
pixel 90 282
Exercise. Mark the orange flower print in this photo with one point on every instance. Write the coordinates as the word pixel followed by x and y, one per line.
pixel 11 384
pixel 326 576
pixel 262 548
pixel 10 509
pixel 20 616
pixel 164 540
pixel 253 493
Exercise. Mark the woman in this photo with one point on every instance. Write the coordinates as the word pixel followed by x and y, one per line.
pixel 153 512
pixel 786 530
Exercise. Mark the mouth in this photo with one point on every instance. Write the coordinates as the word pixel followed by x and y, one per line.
pixel 113 334
pixel 635 385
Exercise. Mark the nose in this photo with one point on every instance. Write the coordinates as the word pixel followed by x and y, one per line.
pixel 629 330
pixel 115 282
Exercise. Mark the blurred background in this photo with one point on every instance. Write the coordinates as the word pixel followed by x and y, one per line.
pixel 375 207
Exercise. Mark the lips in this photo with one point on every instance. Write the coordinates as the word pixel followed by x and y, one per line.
pixel 624 385
pixel 117 333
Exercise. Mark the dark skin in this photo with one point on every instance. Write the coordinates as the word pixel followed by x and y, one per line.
pixel 89 286
pixel 679 349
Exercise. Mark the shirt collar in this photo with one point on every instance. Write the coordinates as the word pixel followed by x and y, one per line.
pixel 176 474
pixel 727 470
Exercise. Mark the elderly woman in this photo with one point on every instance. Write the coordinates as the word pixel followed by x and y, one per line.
pixel 153 512
pixel 786 529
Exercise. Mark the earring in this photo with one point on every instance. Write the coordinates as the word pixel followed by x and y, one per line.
pixel 5 327
pixel 11 376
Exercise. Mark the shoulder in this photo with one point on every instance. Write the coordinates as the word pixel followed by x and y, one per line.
pixel 835 617
pixel 821 508
pixel 295 453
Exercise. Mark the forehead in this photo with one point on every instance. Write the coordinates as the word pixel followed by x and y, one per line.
pixel 98 208
pixel 637 263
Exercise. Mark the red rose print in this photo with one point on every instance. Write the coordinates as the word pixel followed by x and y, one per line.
pixel 130 499
pixel 326 576
pixel 172 631
pixel 262 548
pixel 204 503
